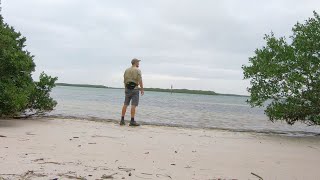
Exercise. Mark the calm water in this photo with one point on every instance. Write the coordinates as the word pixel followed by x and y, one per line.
pixel 189 110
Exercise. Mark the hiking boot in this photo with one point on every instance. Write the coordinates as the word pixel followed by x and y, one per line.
pixel 134 123
pixel 122 123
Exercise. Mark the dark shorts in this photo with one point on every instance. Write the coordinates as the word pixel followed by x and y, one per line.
pixel 133 96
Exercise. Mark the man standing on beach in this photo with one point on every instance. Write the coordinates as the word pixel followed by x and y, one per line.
pixel 132 81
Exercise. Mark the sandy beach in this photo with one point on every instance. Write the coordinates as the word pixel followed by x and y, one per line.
pixel 80 149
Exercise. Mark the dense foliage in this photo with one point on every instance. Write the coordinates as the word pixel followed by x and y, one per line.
pixel 285 75
pixel 19 94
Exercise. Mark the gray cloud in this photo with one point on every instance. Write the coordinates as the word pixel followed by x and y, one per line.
pixel 191 44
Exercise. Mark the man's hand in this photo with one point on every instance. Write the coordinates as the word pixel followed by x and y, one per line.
pixel 142 92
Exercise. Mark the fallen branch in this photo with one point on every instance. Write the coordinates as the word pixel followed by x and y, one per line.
pixel 51 163
pixel 26 116
pixel 142 177
pixel 30 174
pixel 108 176
pixel 97 136
pixel 164 175
pixel 147 174
pixel 67 175
pixel 30 134
pixel 126 169
pixel 260 178
pixel 40 159
pixel 9 174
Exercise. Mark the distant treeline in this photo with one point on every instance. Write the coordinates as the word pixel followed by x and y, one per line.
pixel 186 91
pixel 182 91
pixel 81 85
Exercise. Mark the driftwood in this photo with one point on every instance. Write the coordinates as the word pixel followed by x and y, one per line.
pixel 71 176
pixel 126 169
pixel 260 178
pixel 163 175
pixel 142 177
pixel 108 176
pixel 26 175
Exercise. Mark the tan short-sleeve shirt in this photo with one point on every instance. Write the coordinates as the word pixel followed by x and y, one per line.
pixel 132 74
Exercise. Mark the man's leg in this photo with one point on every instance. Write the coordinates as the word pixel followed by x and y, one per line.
pixel 133 111
pixel 124 110
pixel 134 104
pixel 126 103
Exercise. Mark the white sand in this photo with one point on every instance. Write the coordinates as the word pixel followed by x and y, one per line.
pixel 49 148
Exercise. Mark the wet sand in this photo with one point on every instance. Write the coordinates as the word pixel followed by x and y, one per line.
pixel 80 149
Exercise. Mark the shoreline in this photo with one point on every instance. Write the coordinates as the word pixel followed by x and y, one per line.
pixel 271 132
pixel 48 148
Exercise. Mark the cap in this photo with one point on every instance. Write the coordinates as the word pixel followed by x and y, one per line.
pixel 135 60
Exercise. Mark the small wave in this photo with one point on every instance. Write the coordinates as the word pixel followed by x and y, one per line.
pixel 266 131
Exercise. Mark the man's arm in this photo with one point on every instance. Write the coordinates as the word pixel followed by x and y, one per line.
pixel 141 87
pixel 140 82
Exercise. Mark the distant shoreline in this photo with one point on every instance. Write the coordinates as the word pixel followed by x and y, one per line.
pixel 184 91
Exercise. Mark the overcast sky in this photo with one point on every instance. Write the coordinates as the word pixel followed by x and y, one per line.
pixel 194 44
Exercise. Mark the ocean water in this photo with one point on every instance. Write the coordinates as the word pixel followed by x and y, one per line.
pixel 159 108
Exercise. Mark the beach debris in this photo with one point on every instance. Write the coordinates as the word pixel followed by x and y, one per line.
pixel 108 176
pixel 206 136
pixel 130 174
pixel 146 153
pixel 205 169
pixel 172 164
pixel 9 174
pixel 147 174
pixel 260 178
pixel 142 177
pixel 163 175
pixel 75 137
pixel 40 159
pixel 2 136
pixel 112 137
pixel 194 151
pixel 126 169
pixel 6 147
pixel 30 174
pixel 51 163
pixel 175 151
pixel 71 175
pixel 92 143
pixel 30 134
pixel 312 147
pixel 55 179
pixel 187 167
pixel 79 145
